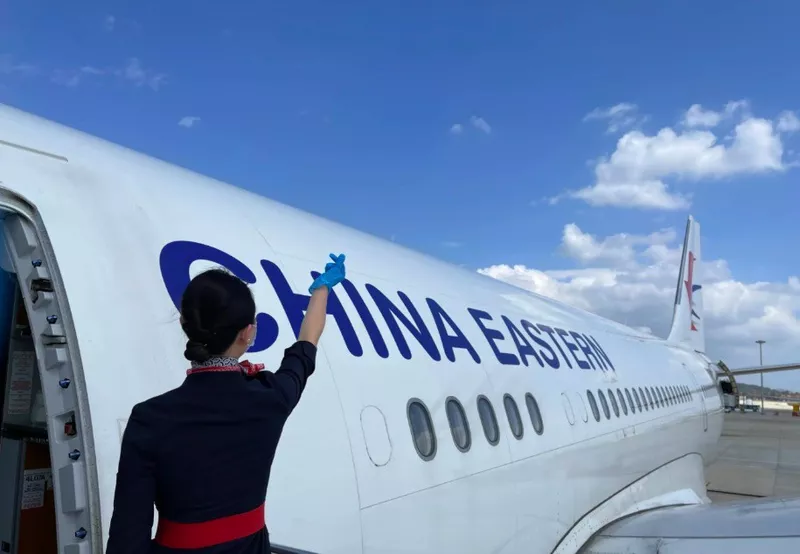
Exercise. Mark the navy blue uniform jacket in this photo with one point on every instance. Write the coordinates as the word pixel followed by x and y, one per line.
pixel 203 451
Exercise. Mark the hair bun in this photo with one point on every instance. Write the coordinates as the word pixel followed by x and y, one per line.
pixel 196 352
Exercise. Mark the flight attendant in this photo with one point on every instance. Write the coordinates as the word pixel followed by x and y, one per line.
pixel 202 453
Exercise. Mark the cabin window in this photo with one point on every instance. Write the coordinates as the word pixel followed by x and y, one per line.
pixel 641 400
pixel 650 399
pixel 689 394
pixel 512 413
pixel 681 398
pixel 622 402
pixel 604 403
pixel 674 392
pixel 685 393
pixel 419 420
pixel 655 396
pixel 670 395
pixel 613 402
pixel 488 420
pixel 459 426
pixel 570 413
pixel 534 413
pixel 593 405
pixel 662 396
pixel 630 401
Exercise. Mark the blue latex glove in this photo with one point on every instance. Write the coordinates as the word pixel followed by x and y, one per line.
pixel 334 274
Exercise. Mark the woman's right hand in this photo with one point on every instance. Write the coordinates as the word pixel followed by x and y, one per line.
pixel 334 274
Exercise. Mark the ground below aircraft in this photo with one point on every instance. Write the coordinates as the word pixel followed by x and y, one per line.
pixel 450 412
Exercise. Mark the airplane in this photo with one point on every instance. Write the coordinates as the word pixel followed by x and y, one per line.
pixel 449 412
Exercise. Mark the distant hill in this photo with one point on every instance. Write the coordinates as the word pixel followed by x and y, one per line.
pixel 754 391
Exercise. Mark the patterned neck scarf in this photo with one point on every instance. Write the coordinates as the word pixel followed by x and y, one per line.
pixel 225 363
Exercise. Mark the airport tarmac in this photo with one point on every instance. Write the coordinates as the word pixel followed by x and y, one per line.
pixel 759 455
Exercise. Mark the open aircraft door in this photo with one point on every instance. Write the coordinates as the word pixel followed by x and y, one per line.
pixel 44 415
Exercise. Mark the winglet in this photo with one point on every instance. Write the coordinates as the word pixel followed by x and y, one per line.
pixel 688 325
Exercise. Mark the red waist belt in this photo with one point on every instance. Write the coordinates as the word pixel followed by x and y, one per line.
pixel 209 533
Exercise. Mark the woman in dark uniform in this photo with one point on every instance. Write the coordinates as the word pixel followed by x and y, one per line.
pixel 202 453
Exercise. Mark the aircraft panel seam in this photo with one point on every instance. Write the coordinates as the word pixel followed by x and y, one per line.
pixel 612 495
pixel 34 151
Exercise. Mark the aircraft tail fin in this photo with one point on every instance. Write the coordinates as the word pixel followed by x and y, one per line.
pixel 688 325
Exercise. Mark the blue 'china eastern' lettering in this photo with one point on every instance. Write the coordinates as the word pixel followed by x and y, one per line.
pixel 391 314
pixel 177 257
pixel 449 342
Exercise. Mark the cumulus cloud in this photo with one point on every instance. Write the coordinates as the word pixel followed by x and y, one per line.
pixel 697 116
pixel 618 249
pixel 480 124
pixel 631 279
pixel 188 121
pixel 635 174
pixel 109 22
pixel 788 122
pixel 621 116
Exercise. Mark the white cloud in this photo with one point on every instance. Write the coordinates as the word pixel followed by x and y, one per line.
pixel 132 72
pixel 188 121
pixel 621 116
pixel 633 281
pixel 73 77
pixel 618 249
pixel 788 122
pixel 480 124
pixel 108 23
pixel 634 174
pixel 697 116
pixel 139 76
pixel 457 128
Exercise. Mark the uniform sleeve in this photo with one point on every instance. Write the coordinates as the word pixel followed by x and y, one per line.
pixel 299 362
pixel 132 520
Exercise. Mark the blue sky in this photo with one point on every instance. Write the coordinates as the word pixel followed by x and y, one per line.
pixel 338 108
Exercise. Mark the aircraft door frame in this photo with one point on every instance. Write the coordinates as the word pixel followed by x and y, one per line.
pixel 702 399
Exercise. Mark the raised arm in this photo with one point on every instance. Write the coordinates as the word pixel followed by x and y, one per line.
pixel 299 360
pixel 314 320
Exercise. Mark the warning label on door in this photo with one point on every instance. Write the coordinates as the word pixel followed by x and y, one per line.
pixel 23 364
pixel 35 483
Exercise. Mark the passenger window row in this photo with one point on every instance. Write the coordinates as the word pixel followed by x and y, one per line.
pixel 633 399
pixel 643 399
pixel 424 436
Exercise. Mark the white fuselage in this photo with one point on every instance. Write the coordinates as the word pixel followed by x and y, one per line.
pixel 127 231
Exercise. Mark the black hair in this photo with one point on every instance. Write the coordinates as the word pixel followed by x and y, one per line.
pixel 216 305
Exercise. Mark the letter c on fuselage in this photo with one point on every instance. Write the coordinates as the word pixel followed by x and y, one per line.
pixel 176 259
